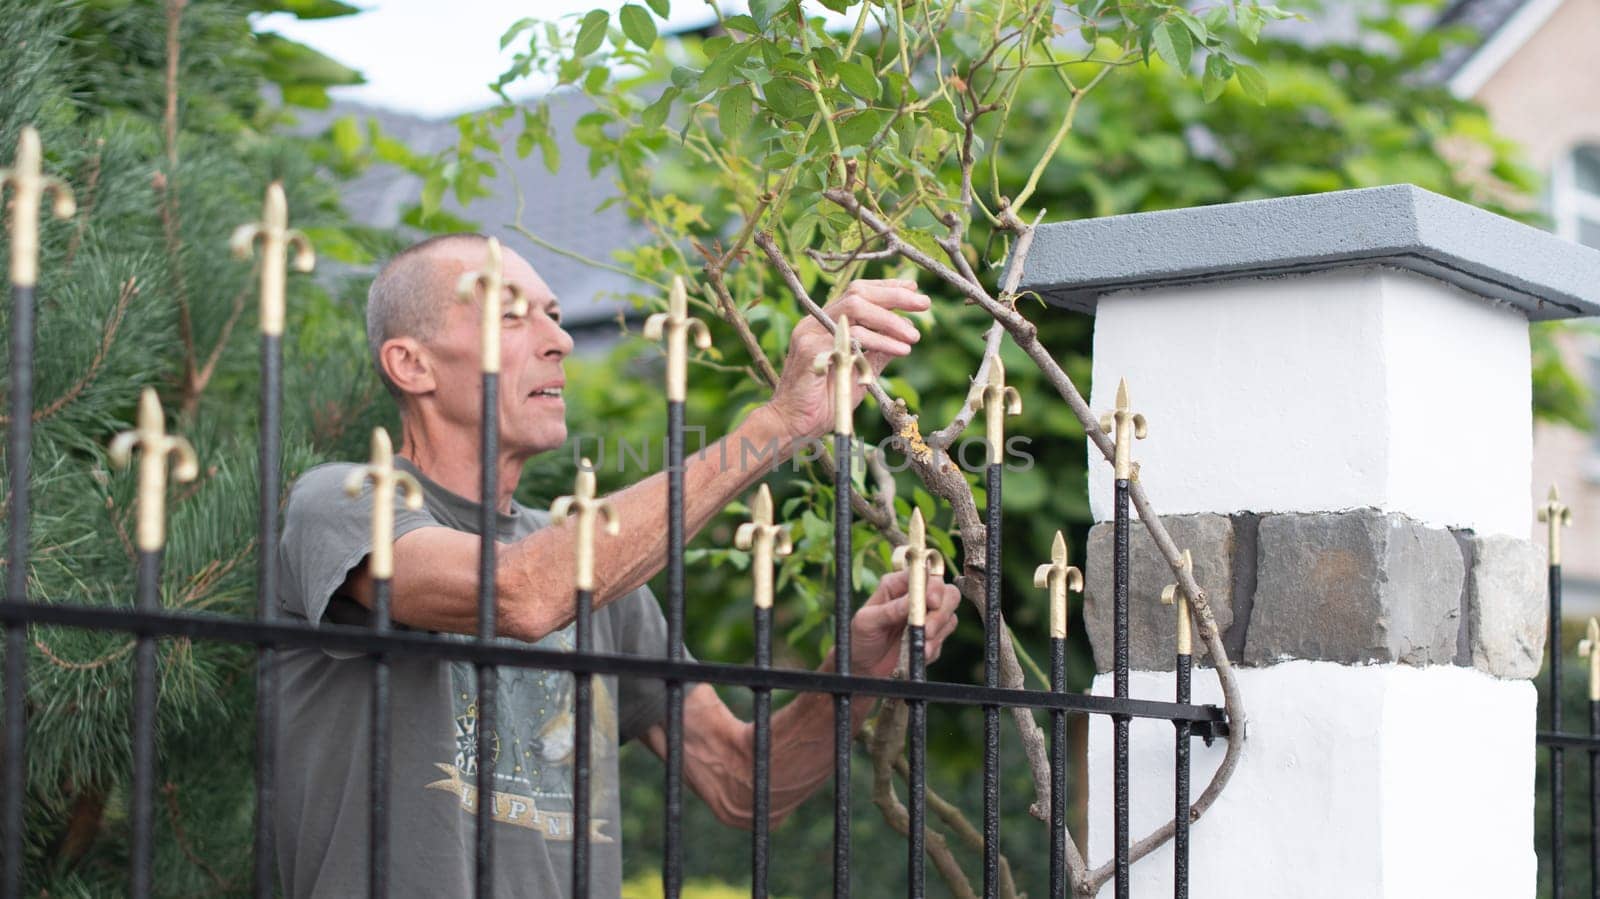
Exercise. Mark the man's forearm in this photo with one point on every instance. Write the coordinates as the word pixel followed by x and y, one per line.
pixel 712 478
pixel 802 744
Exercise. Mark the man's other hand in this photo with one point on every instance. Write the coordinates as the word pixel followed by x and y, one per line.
pixel 802 399
pixel 876 629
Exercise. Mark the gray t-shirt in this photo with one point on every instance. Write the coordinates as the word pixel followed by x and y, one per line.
pixel 325 714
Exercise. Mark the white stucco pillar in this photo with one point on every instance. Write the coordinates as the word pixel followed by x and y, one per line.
pixel 1338 389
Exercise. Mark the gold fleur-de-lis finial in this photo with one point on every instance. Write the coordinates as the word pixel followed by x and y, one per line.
pixel 998 401
pixel 385 480
pixel 489 285
pixel 676 325
pixel 28 186
pixel 1059 578
pixel 1123 424
pixel 1559 516
pixel 1589 647
pixel 848 369
pixel 1174 594
pixel 768 541
pixel 154 445
pixel 276 238
pixel 584 507
pixel 915 557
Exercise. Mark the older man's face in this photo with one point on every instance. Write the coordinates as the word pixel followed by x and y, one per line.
pixel 533 348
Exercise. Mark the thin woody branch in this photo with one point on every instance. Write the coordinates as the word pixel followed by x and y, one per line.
pixel 945 480
pixel 1025 334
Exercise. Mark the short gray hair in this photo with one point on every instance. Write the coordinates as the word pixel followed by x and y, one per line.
pixel 406 298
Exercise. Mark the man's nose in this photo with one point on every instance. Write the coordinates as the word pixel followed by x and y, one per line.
pixel 556 343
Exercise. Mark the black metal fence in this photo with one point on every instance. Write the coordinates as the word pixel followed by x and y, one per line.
pixel 1557 740
pixel 269 633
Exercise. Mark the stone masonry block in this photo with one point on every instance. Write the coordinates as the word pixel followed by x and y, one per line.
pixel 1507 610
pixel 1354 587
pixel 1152 627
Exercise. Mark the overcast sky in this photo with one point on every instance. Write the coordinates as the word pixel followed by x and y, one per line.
pixel 436 57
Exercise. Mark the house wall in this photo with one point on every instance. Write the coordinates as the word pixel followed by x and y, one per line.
pixel 1546 96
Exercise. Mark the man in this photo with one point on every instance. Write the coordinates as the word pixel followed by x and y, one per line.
pixel 425 346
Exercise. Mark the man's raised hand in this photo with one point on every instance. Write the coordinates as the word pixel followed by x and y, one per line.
pixel 802 399
pixel 876 629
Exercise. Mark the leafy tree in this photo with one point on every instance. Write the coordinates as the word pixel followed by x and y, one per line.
pixel 960 125
pixel 138 290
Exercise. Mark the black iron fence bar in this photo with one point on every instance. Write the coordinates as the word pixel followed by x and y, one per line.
pixel 991 678
pixel 385 479
pixel 150 438
pixel 1568 741
pixel 1556 515
pixel 276 238
pixel 766 542
pixel 846 368
pixel 672 807
pixel 142 848
pixel 582 721
pixel 920 564
pixel 1126 426
pixel 28 187
pixel 1210 722
pixel 588 511
pixel 487 287
pixel 1174 595
pixel 998 400
pixel 1059 578
pixel 675 326
pixel 1589 647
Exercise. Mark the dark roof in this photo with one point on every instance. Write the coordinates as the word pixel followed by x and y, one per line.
pixel 561 208
pixel 1484 17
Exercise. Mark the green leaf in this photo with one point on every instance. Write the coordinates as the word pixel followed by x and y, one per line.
pixel 638 25
pixel 346 136
pixel 596 79
pixel 552 153
pixel 662 8
pixel 520 26
pixel 789 99
pixel 942 114
pixel 859 128
pixel 307 9
pixel 721 68
pixel 655 114
pixel 741 23
pixel 1253 82
pixel 735 110
pixel 1174 43
pixel 1218 71
pixel 763 11
pixel 592 32
pixel 1250 22
pixel 684 77
pixel 859 79
pixel 1195 26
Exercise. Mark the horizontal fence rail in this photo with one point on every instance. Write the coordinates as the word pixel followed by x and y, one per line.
pixel 487 652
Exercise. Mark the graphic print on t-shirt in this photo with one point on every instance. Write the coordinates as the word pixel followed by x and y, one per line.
pixel 530 746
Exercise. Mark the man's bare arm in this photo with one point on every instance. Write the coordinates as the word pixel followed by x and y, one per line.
pixel 436 569
pixel 719 749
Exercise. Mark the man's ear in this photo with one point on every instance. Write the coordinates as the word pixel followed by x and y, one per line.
pixel 407 365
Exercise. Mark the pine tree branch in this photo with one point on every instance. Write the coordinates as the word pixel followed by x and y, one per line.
pixel 108 336
pixel 170 791
pixel 98 662
pixel 86 199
